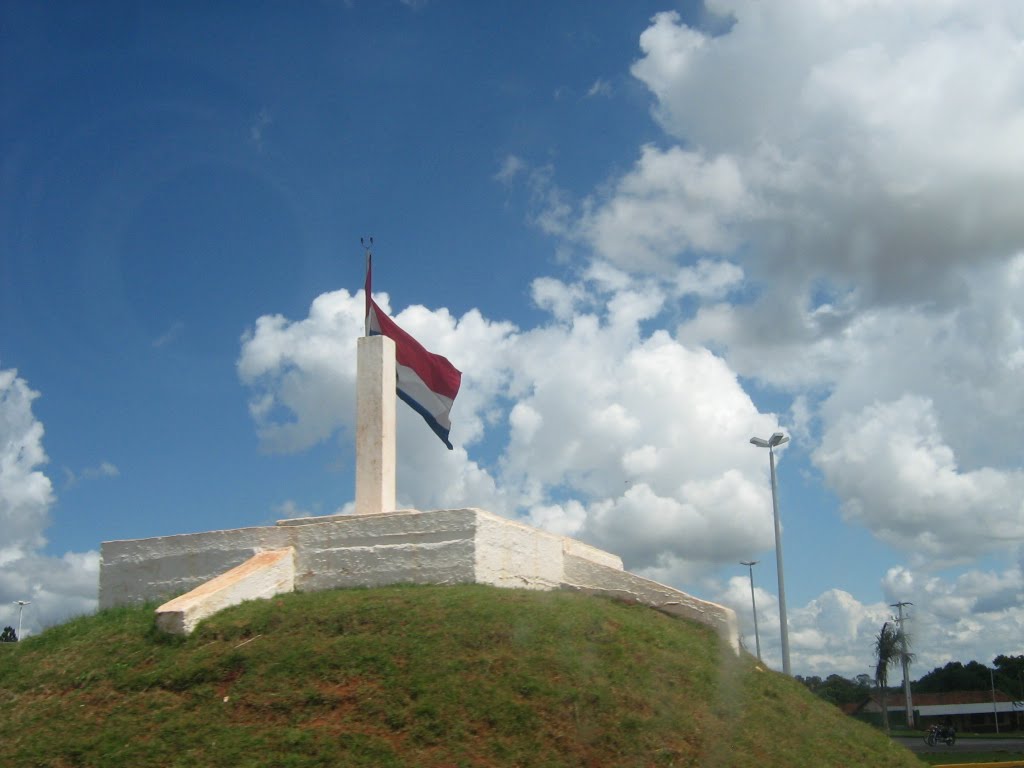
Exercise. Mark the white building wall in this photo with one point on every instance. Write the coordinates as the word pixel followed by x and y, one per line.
pixel 935 710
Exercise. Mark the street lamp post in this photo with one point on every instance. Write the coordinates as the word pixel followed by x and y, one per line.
pixel 753 603
pixel 21 608
pixel 771 444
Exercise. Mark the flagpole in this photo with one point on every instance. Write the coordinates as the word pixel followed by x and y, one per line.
pixel 368 283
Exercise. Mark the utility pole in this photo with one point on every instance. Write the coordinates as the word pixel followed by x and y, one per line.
pixel 903 660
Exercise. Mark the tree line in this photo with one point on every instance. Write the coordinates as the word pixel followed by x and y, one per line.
pixel 1007 674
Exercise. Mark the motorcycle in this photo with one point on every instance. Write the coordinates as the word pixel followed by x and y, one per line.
pixel 940 733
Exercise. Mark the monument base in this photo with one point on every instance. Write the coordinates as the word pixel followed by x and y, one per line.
pixel 453 546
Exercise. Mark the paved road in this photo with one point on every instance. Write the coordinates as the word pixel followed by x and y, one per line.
pixel 916 744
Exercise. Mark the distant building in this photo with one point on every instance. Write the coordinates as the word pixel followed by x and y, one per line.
pixel 971 711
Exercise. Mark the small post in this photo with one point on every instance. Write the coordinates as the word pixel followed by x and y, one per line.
pixel 753 604
pixel 375 425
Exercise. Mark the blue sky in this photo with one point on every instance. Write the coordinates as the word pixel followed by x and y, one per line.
pixel 644 231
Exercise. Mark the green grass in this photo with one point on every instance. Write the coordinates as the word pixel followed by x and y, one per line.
pixel 414 676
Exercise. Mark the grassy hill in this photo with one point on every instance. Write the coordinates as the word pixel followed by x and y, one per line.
pixel 413 676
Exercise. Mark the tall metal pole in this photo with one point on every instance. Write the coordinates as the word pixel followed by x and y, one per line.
pixel 753 603
pixel 778 557
pixel 995 712
pixel 905 662
pixel 21 607
pixel 776 439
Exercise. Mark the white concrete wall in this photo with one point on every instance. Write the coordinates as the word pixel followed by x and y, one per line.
pixel 160 568
pixel 379 549
pixel 260 577
pixel 596 579
pixel 511 554
pixel 593 554
pixel 335 551
pixel 440 547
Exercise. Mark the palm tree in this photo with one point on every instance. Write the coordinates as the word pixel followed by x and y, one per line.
pixel 888 649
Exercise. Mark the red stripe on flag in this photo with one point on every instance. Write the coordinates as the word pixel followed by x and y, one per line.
pixel 436 371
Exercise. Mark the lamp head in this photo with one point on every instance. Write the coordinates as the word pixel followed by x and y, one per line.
pixel 759 442
pixel 777 439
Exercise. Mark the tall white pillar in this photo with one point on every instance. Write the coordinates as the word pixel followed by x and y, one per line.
pixel 375 425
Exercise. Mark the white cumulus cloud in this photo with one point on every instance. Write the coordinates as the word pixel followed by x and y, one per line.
pixel 56 587
pixel 623 438
pixel 899 477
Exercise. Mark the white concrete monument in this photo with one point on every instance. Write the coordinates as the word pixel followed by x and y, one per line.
pixel 202 573
pixel 375 425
